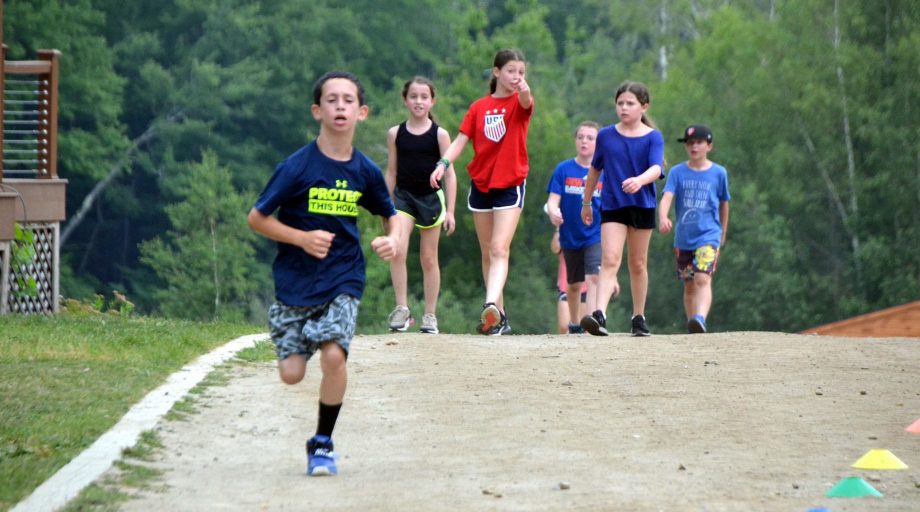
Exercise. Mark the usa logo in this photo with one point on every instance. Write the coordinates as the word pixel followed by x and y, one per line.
pixel 495 125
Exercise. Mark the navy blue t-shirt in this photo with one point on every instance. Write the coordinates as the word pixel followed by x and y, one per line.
pixel 312 191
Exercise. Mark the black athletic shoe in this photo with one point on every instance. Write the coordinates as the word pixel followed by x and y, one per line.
pixel 595 323
pixel 575 329
pixel 638 326
pixel 504 326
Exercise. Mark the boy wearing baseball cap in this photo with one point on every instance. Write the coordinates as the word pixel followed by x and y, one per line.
pixel 699 190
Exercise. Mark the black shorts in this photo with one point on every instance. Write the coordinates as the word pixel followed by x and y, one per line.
pixel 579 262
pixel 632 216
pixel 495 198
pixel 427 210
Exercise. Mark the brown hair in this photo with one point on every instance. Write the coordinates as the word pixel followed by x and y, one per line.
pixel 423 81
pixel 642 94
pixel 318 86
pixel 503 57
pixel 587 124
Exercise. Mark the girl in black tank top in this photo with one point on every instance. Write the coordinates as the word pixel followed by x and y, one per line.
pixel 414 148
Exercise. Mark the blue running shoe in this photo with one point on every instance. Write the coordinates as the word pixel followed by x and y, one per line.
pixel 696 324
pixel 320 456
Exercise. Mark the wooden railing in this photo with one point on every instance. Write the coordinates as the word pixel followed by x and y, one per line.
pixel 32 194
pixel 29 92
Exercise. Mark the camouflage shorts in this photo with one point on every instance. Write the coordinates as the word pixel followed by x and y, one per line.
pixel 302 330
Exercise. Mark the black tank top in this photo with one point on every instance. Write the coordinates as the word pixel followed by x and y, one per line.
pixel 416 156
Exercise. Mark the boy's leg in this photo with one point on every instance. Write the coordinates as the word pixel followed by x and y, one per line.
pixel 574 291
pixel 285 324
pixel 698 295
pixel 292 368
pixel 562 314
pixel 431 271
pixel 593 256
pixel 335 376
pixel 335 328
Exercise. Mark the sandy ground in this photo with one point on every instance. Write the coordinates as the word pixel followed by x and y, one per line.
pixel 732 421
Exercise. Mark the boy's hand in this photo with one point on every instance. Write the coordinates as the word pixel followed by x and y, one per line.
pixel 556 217
pixel 317 243
pixel 664 225
pixel 385 247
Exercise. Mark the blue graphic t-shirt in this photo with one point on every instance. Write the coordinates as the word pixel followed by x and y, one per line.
pixel 619 158
pixel 697 195
pixel 568 181
pixel 312 191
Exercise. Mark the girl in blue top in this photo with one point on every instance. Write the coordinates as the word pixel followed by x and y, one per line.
pixel 630 154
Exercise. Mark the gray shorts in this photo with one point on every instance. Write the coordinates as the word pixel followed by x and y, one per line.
pixel 581 262
pixel 302 330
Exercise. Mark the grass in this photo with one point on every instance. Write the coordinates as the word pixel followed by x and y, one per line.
pixel 66 379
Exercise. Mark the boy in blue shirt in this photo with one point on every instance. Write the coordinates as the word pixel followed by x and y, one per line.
pixel 580 243
pixel 319 271
pixel 699 189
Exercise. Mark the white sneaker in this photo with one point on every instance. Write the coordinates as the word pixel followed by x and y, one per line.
pixel 400 319
pixel 429 323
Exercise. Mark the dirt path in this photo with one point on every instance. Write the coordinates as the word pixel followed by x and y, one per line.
pixel 733 421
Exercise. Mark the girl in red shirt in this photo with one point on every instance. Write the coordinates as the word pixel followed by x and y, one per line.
pixel 497 124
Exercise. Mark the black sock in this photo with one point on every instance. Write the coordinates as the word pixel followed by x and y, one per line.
pixel 325 423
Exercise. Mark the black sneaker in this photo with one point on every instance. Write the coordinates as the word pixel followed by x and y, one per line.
pixel 502 328
pixel 575 329
pixel 638 326
pixel 595 323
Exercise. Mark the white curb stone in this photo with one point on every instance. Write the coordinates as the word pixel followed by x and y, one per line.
pixel 86 467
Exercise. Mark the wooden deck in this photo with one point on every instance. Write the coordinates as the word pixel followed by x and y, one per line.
pixel 897 321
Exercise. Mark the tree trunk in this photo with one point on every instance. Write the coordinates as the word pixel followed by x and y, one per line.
pixel 215 269
pixel 663 49
pixel 848 141
pixel 116 169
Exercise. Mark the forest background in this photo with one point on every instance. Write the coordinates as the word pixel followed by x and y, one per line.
pixel 173 114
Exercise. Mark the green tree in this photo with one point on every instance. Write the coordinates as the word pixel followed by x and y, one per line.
pixel 207 259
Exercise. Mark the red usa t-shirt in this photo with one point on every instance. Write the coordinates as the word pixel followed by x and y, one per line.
pixel 498 129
